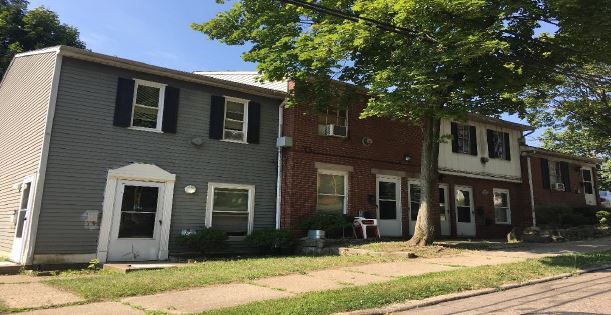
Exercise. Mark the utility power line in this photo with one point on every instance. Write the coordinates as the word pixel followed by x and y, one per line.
pixel 356 18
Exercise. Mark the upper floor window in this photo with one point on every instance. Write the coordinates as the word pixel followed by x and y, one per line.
pixel 235 125
pixel 332 187
pixel 464 139
pixel 555 175
pixel 147 110
pixel 333 122
pixel 498 145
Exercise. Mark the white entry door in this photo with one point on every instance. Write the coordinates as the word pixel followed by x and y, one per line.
pixel 414 206
pixel 588 186
pixel 465 213
pixel 388 198
pixel 136 222
pixel 444 210
pixel 21 219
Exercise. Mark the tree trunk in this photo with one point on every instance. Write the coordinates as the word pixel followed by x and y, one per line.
pixel 424 233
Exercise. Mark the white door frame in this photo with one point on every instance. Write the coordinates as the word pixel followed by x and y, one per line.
pixel 20 243
pixel 447 230
pixel 590 198
pixel 470 225
pixel 412 224
pixel 142 173
pixel 399 216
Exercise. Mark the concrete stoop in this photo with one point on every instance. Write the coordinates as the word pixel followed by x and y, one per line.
pixel 9 268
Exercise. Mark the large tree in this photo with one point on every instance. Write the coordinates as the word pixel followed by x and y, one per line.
pixel 23 30
pixel 422 60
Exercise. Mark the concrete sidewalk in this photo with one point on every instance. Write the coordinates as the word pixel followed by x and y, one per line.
pixel 227 295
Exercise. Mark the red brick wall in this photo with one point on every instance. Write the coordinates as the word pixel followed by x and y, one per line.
pixel 573 198
pixel 391 141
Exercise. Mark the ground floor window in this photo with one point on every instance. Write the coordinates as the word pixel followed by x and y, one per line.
pixel 502 211
pixel 331 191
pixel 230 208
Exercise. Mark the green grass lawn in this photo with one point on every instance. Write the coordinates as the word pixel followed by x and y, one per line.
pixel 110 285
pixel 420 287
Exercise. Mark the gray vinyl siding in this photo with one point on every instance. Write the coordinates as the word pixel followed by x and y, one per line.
pixel 85 145
pixel 24 101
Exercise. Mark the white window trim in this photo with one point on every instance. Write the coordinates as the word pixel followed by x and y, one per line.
pixel 251 204
pixel 245 102
pixel 506 191
pixel 161 88
pixel 339 173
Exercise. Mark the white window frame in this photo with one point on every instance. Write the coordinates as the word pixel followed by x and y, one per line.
pixel 251 204
pixel 337 110
pixel 337 173
pixel 461 145
pixel 160 104
pixel 502 191
pixel 244 102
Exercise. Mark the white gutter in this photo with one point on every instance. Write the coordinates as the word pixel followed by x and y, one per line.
pixel 279 171
pixel 532 195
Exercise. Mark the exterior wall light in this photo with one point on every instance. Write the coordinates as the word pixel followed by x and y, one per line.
pixel 407 158
pixel 190 189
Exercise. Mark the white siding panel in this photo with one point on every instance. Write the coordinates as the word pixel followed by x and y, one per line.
pixel 24 101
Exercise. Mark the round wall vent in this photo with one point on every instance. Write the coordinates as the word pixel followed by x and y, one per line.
pixel 367 141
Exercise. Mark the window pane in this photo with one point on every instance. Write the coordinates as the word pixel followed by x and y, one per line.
pixel 25 200
pixel 388 210
pixel 330 203
pixel 464 214
pixel 145 117
pixel 387 190
pixel 463 198
pixel 331 184
pixel 500 199
pixel 442 195
pixel 464 144
pixel 137 225
pixel 414 200
pixel 501 214
pixel 587 188
pixel 140 199
pixel 229 199
pixel 234 224
pixel 20 222
pixel 148 96
pixel 235 108
pixel 234 125
pixel 233 135
pixel 587 176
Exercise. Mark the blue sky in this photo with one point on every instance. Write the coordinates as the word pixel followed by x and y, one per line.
pixel 156 32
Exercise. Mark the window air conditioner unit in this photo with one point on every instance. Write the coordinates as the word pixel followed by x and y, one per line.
pixel 334 130
pixel 559 186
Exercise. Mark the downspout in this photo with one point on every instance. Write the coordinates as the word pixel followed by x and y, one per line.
pixel 532 196
pixel 530 181
pixel 279 171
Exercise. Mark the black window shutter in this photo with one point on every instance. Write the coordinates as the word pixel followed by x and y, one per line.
pixel 490 140
pixel 454 131
pixel 170 109
pixel 217 117
pixel 566 180
pixel 507 146
pixel 545 173
pixel 254 122
pixel 473 140
pixel 123 103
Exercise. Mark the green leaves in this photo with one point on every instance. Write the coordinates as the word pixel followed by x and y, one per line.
pixel 22 30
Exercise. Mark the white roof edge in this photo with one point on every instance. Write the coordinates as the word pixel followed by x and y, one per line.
pixel 226 72
pixel 54 49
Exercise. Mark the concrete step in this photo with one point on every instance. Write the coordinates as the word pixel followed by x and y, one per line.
pixel 9 268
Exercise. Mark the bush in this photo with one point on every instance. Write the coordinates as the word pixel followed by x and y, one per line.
pixel 272 240
pixel 332 223
pixel 552 214
pixel 204 240
pixel 588 213
pixel 604 217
